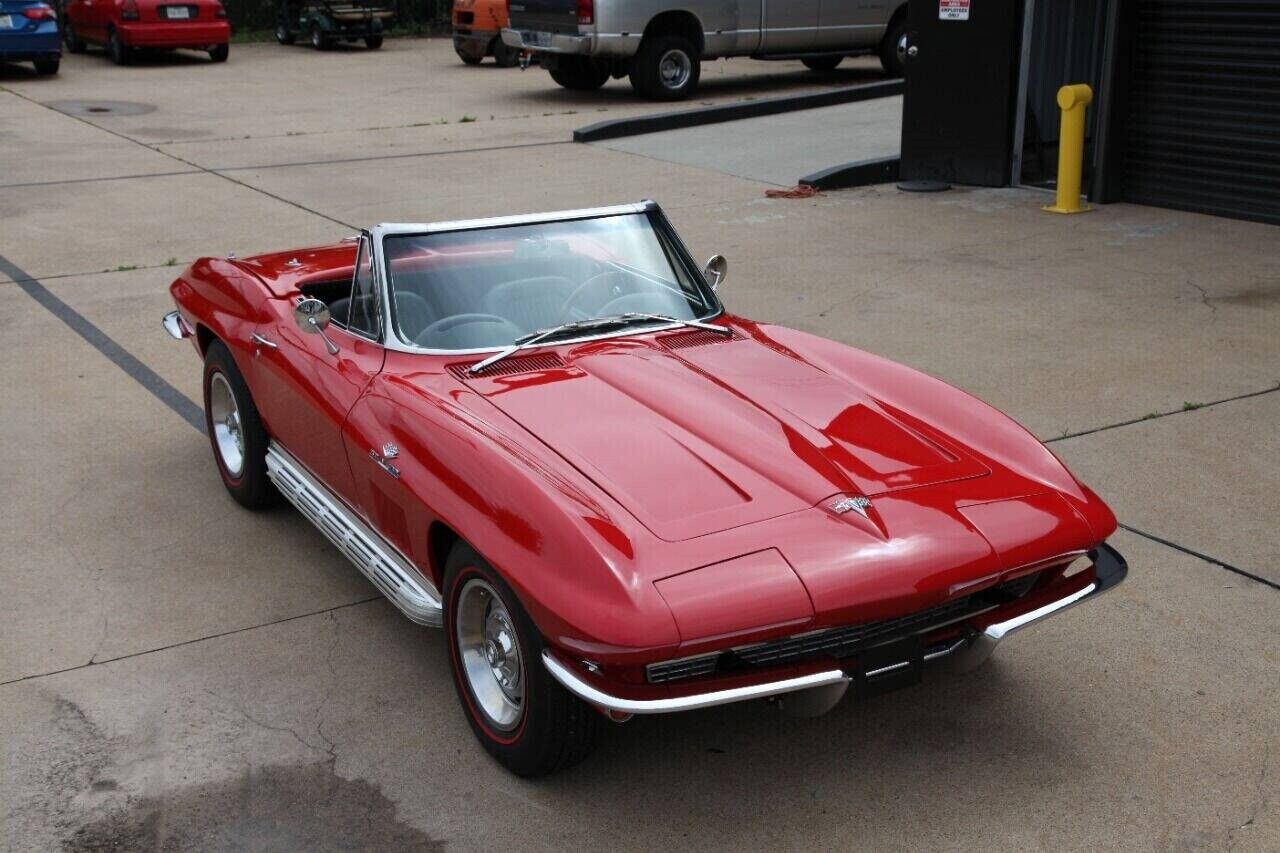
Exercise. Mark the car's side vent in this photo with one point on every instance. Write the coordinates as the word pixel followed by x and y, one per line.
pixel 694 338
pixel 509 366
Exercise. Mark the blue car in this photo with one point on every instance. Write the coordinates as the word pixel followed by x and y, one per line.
pixel 29 33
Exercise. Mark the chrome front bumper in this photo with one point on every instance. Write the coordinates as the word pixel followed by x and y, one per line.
pixel 962 655
pixel 176 326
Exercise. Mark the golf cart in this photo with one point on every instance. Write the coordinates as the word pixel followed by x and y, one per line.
pixel 327 22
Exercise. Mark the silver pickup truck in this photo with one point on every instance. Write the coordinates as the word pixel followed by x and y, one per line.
pixel 660 45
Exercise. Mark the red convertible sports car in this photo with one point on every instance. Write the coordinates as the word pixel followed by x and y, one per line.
pixel 547 435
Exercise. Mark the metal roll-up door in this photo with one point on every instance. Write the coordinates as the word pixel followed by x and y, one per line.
pixel 1203 123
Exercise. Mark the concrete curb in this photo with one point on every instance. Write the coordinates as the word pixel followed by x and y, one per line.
pixel 859 174
pixel 733 112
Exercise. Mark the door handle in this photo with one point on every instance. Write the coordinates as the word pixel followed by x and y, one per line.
pixel 259 340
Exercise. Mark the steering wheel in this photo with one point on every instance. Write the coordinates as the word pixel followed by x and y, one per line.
pixel 569 312
pixel 442 328
pixel 639 303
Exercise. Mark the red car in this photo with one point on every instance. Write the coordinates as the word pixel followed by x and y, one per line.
pixel 127 26
pixel 546 434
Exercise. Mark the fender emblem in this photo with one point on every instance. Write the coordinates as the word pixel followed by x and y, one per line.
pixel 390 451
pixel 858 504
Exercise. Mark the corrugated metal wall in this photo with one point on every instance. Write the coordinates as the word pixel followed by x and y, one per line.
pixel 1202 130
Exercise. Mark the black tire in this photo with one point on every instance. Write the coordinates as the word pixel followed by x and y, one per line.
pixel 250 486
pixel 889 59
pixel 46 67
pixel 220 52
pixel 121 53
pixel 822 63
pixel 556 730
pixel 284 35
pixel 373 42
pixel 647 68
pixel 503 55
pixel 74 43
pixel 318 39
pixel 579 74
pixel 468 58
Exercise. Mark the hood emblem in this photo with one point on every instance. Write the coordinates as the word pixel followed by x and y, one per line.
pixel 390 451
pixel 858 504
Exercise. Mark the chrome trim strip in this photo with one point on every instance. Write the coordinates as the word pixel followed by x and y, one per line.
pixel 376 558
pixel 587 693
pixel 176 326
pixel 1000 630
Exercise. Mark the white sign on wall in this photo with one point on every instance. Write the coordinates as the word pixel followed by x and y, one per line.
pixel 953 10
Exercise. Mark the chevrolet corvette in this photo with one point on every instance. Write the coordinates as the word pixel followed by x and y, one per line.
pixel 546 435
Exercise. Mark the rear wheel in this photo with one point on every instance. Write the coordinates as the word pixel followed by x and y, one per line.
pixel 235 431
pixel 284 35
pixel 667 68
pixel 220 52
pixel 46 67
pixel 74 43
pixel 121 53
pixel 822 63
pixel 579 74
pixel 520 714
pixel 373 42
pixel 318 39
pixel 504 55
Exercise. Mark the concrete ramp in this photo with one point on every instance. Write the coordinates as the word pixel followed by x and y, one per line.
pixel 779 149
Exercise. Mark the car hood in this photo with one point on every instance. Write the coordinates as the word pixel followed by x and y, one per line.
pixel 695 434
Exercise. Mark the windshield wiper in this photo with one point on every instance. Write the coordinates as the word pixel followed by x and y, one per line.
pixel 533 339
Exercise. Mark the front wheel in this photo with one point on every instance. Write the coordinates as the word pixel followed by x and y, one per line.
pixel 667 68
pixel 373 42
pixel 220 52
pixel 579 74
pixel 890 61
pixel 284 35
pixel 235 431
pixel 520 714
pixel 45 67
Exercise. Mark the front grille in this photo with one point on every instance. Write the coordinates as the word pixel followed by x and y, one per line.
pixel 842 642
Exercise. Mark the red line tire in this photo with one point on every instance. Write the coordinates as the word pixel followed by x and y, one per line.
pixel 226 400
pixel 553 729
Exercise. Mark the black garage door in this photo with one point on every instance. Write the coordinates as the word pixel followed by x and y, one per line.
pixel 1202 130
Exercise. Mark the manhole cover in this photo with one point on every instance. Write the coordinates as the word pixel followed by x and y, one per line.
pixel 101 108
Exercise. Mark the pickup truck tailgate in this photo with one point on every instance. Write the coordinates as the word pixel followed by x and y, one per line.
pixel 547 16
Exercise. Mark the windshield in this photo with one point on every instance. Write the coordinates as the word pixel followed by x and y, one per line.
pixel 484 289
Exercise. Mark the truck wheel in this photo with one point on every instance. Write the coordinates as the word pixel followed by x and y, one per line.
pixel 373 42
pixel 45 67
pixel 579 74
pixel 519 713
pixel 889 60
pixel 667 68
pixel 468 58
pixel 503 55
pixel 284 35
pixel 235 431
pixel 318 39
pixel 822 63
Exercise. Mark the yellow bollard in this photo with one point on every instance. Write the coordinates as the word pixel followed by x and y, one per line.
pixel 1072 100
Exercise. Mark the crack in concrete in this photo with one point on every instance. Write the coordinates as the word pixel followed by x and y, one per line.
pixel 1205 300
pixel 1259 801
pixel 1155 416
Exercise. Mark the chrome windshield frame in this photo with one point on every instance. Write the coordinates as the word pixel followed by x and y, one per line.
pixel 379 234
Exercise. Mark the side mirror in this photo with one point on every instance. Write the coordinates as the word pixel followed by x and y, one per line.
pixel 715 270
pixel 312 317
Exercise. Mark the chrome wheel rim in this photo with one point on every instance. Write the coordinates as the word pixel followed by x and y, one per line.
pixel 224 415
pixel 675 69
pixel 490 652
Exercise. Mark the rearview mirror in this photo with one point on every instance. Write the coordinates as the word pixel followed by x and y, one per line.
pixel 312 317
pixel 714 271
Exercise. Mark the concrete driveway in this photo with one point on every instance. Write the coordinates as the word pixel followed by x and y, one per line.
pixel 176 673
